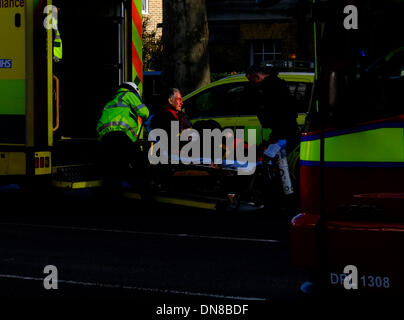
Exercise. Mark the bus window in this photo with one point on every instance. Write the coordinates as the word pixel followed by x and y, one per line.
pixel 362 70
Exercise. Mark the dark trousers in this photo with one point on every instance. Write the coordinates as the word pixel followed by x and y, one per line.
pixel 122 159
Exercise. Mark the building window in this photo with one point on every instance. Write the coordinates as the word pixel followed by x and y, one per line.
pixel 145 6
pixel 265 50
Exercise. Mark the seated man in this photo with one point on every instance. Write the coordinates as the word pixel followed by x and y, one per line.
pixel 171 111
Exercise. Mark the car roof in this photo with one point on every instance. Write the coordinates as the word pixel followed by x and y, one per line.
pixel 287 76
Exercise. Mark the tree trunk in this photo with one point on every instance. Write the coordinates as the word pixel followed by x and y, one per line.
pixel 185 44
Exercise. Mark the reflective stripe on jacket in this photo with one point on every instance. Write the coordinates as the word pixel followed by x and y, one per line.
pixel 123 113
pixel 57 47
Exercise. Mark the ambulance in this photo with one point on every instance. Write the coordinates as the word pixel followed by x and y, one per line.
pixel 48 110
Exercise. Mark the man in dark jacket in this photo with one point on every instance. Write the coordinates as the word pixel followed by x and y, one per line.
pixel 274 104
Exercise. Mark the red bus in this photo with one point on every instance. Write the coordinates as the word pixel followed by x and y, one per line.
pixel 350 230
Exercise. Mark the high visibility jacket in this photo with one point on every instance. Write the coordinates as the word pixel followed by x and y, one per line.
pixel 57 46
pixel 125 113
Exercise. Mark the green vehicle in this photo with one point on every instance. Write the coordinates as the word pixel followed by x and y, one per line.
pixel 222 101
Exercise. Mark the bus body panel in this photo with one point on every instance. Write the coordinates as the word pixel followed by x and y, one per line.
pixel 364 204
pixel 375 249
pixel 366 159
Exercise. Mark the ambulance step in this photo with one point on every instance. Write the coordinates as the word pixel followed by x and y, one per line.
pixel 77 176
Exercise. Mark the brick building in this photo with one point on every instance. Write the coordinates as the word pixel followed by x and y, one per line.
pixel 153 10
pixel 242 34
